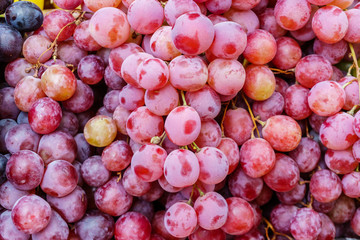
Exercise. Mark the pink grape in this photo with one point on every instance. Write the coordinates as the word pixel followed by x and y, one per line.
pixel 117 156
pixel 165 185
pixel 9 194
pixel 21 137
pixel 130 65
pixel 306 155
pixel 31 214
pixel 211 210
pixel 325 186
pixel 337 133
pixel 218 6
pixel 8 108
pixel 70 53
pixel 268 23
pixel 247 19
pixel 306 224
pixel 293 196
pixel 95 5
pixel 94 172
pixel 352 34
pixel 282 132
pixel 119 54
pixel 343 210
pixel 55 21
pixel 180 220
pixel 17 70
pixel 131 97
pixel 91 69
pixel 182 125
pixel 350 184
pixel 145 16
pixel 69 123
pixel 148 162
pixel 188 73
pixel 132 225
pixel 152 74
pixel 272 106
pixel 201 233
pixel 291 20
pixel 229 147
pixel 296 102
pixel 238 125
pixel 340 161
pixel 351 91
pixel 83 38
pixel 306 33
pixel 244 5
pixel 111 100
pixel 281 217
pixel 241 185
pixel 355 221
pixel 111 198
pixel 327 228
pixel 226 77
pixel 133 185
pixel 112 80
pixel 285 174
pixel 288 53
pixel 57 228
pixel 192 33
pixel 113 34
pixel 223 45
pixel 35 49
pixel 334 53
pixel 240 218
pixel 161 45
pixel 175 8
pixel 25 170
pixel 8 230
pixel 142 125
pixel 82 100
pixel 68 5
pixel 181 168
pixel 162 101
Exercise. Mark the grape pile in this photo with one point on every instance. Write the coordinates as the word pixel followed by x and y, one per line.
pixel 180 119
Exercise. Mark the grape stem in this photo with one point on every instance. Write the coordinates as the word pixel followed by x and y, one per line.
pixel 348 83
pixel 251 115
pixel 303 182
pixel 353 54
pixel 307 130
pixel 275 233
pixel 279 71
pixel 119 178
pixel 195 147
pixel 309 205
pixel 223 118
pixel 183 98
pixel 158 140
pixel 199 190
pixel 353 110
pixel 191 195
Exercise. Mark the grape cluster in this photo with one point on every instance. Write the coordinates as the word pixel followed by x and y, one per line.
pixel 180 119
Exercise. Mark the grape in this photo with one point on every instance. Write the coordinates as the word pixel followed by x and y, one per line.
pixel 355 222
pixel 247 19
pixel 119 54
pixel 81 100
pixel 95 225
pixel 350 185
pixel 112 80
pixel 265 196
pixel 155 193
pixel 25 170
pixel 343 210
pixel 288 53
pixel 5 125
pixel 306 224
pixel 95 5
pixel 144 207
pixel 148 162
pixel 281 216
pixel 342 4
pixel 113 34
pixel 69 123
pixel 211 210
pixel 252 234
pixel 229 147
pixel 22 118
pixel 320 2
pixel 337 132
pixel 192 33
pixel 71 207
pixel 35 49
pixel 327 228
pixel 201 233
pixel 111 100
pixel 284 175
pixel 352 35
pixel 116 156
pixel 84 150
pixel 244 5
pixel 325 186
pixel 8 230
pixel 67 4
pixel 291 20
pixel 31 214
pixel 213 164
pixel 131 97
pixel 312 69
pixel 111 198
pixel 57 145
pixel 91 69
pixel 162 101
pixel 55 21
pixel 238 125
pixel 4 5
pixel 175 8
pixel 152 74
pixel 158 226
pixel 9 195
pixel 282 132
pixel 100 131
pixel 120 115
pixel 180 220
pixel 45 115
pixel 272 106
pixel 11 43
pixel 130 65
pixel 296 102
pixel 260 82
pixel 57 228
pixel 341 161
pixel 24 16
pixel 27 91
pixel 182 125
pixel 223 45
pixel 142 125
pixel 131 226
pixel 226 77
pixel 145 16
pixel 240 218
pixel 268 23
pixel 161 45
pixel 94 172
pixel 215 19
pixel 181 168
pixel 83 38
pixel 293 196
pixel 241 185
pixel 260 48
pixel 70 53
pixel 21 137
pixel 165 185
pixel 210 134
pixel 330 24
pixel 306 155
pixel 60 178
pixel 17 70
pixel 351 91
pixel 218 6
pixel 334 53
pixel 188 73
